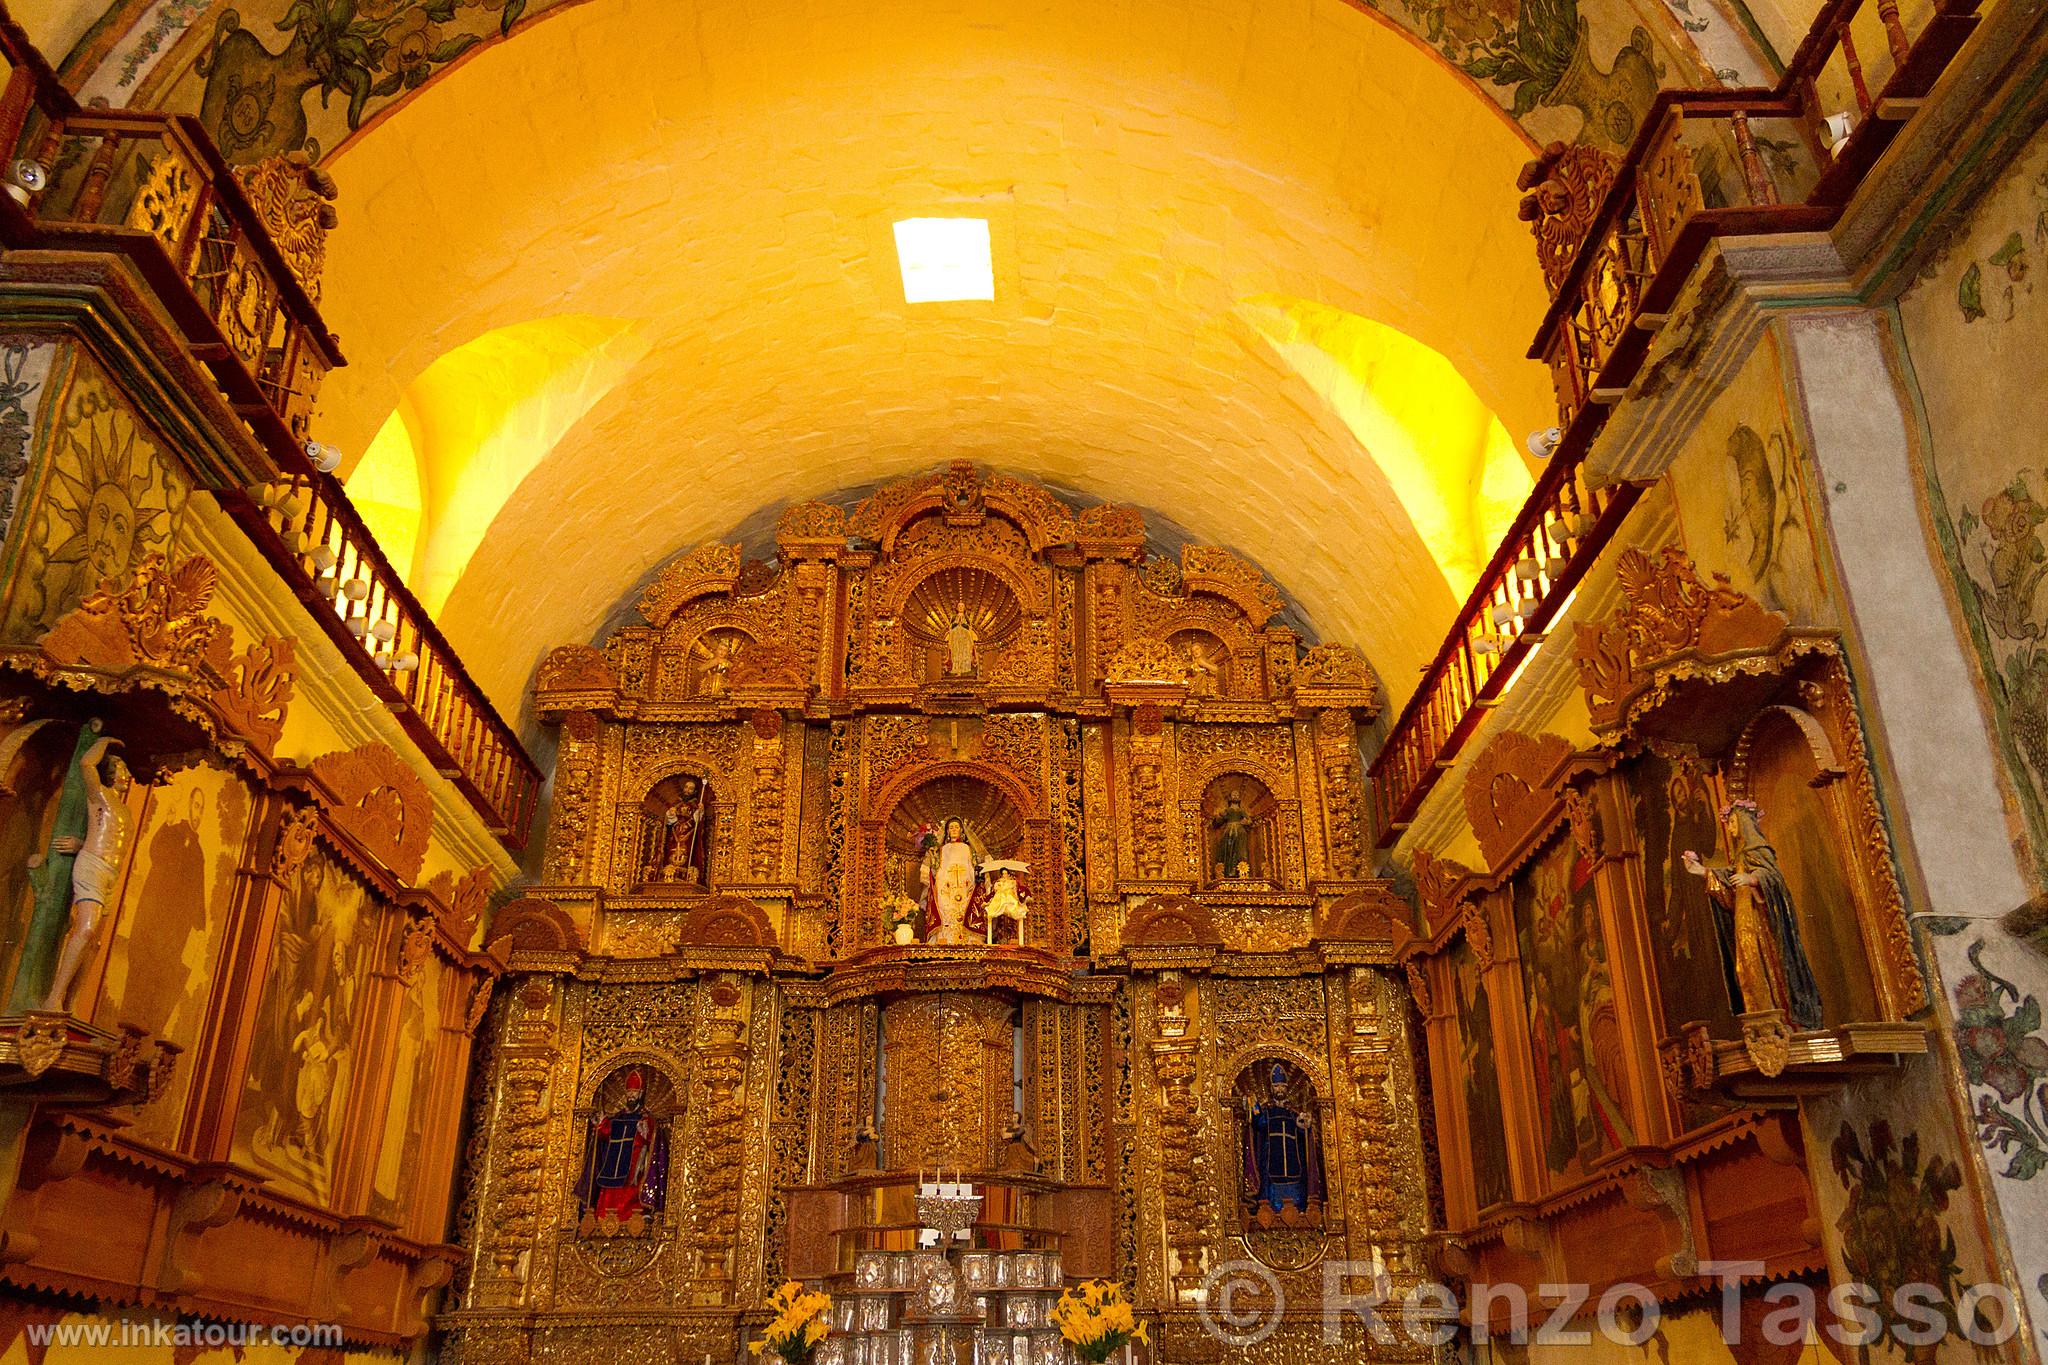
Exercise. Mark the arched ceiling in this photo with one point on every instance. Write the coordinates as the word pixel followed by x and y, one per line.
pixel 1162 182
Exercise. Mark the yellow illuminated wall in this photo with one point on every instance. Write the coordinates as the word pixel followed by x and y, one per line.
pixel 470 428
pixel 1457 472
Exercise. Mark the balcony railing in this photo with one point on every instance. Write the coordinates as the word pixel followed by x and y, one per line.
pixel 239 287
pixel 1706 164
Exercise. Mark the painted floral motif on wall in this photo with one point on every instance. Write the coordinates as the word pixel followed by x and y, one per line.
pixel 268 76
pixel 1976 330
pixel 1892 1229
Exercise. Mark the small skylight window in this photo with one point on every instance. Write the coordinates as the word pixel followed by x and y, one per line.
pixel 944 259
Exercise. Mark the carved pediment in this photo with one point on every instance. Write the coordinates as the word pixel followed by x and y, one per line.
pixel 535 925
pixel 459 904
pixel 257 691
pixel 1374 915
pixel 576 668
pixel 1171 921
pixel 811 525
pixel 1211 569
pixel 696 573
pixel 769 667
pixel 1335 675
pixel 381 803
pixel 727 922
pixel 1148 661
pixel 1509 789
pixel 1436 886
pixel 1567 185
pixel 1671 615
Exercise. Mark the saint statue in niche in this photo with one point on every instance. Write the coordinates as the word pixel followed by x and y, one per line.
pixel 1283 1172
pixel 961 642
pixel 947 873
pixel 1756 920
pixel 683 845
pixel 625 1165
pixel 1233 838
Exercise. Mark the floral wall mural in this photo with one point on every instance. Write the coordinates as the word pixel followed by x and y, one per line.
pixel 271 76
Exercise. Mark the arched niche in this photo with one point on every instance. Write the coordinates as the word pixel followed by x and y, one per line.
pixel 1785 763
pixel 957 619
pixel 622 1181
pixel 678 818
pixel 1212 667
pixel 1239 813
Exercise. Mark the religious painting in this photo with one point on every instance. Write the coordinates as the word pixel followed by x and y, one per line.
pixel 1744 499
pixel 1787 836
pixel 1485 1127
pixel 161 959
pixel 678 821
pixel 1974 310
pixel 622 1184
pixel 1280 1145
pixel 1674 810
pixel 401 1149
pixel 1576 1043
pixel 1898 1208
pixel 1241 821
pixel 108 500
pixel 303 1054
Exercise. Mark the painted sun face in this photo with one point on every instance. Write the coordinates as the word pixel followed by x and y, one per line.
pixel 109 533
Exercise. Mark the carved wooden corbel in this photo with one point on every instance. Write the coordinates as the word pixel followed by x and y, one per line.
pixel 198 1209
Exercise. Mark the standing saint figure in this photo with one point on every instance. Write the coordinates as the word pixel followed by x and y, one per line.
pixel 1771 967
pixel 1282 1168
pixel 1233 839
pixel 625 1161
pixel 947 875
pixel 97 864
pixel 682 854
pixel 960 643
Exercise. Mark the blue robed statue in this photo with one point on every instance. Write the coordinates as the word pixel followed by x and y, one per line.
pixel 1283 1169
pixel 625 1161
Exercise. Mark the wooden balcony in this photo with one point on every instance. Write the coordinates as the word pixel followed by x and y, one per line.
pixel 1618 241
pixel 234 259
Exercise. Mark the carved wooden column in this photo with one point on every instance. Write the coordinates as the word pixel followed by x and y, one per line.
pixel 1148 791
pixel 767 795
pixel 720 1077
pixel 1375 1213
pixel 1176 1067
pixel 515 1194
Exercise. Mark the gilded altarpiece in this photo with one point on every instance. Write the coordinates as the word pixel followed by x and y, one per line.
pixel 964 829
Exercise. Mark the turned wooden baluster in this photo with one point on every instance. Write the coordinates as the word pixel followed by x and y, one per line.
pixel 1855 65
pixel 1761 190
pixel 1894 31
pixel 92 193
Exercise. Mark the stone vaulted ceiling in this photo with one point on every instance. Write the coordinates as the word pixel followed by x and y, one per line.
pixel 668 222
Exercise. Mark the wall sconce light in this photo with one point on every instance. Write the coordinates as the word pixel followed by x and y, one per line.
pixel 325 458
pixel 25 178
pixel 1543 444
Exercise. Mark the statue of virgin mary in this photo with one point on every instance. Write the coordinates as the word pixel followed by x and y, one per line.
pixel 949 876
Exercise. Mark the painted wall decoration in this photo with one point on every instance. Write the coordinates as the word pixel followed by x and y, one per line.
pixel 1896 1206
pixel 303 1053
pixel 270 76
pixel 1576 1041
pixel 161 960
pixel 107 498
pixel 1744 502
pixel 1995 989
pixel 24 369
pixel 1485 1128
pixel 1976 326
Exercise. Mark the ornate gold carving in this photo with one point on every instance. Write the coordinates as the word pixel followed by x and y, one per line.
pixel 728 922
pixel 1169 921
pixel 811 521
pixel 1669 611
pixel 414 949
pixel 293 842
pixel 1182 1165
pixel 1207 568
pixel 1337 668
pixel 536 925
pixel 164 206
pixel 576 668
pixel 380 802
pixel 459 904
pixel 258 690
pixel 1668 187
pixel 1510 787
pixel 706 569
pixel 1436 884
pixel 157 620
pixel 1148 661
pixel 39 1040
pixel 721 1064
pixel 1767 1037
pixel 294 198
pixel 1566 185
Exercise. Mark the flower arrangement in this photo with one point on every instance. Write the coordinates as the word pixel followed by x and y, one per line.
pixel 799 1324
pixel 1096 1320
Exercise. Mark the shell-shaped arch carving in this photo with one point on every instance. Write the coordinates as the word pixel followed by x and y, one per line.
pixel 533 924
pixel 1171 921
pixel 727 922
